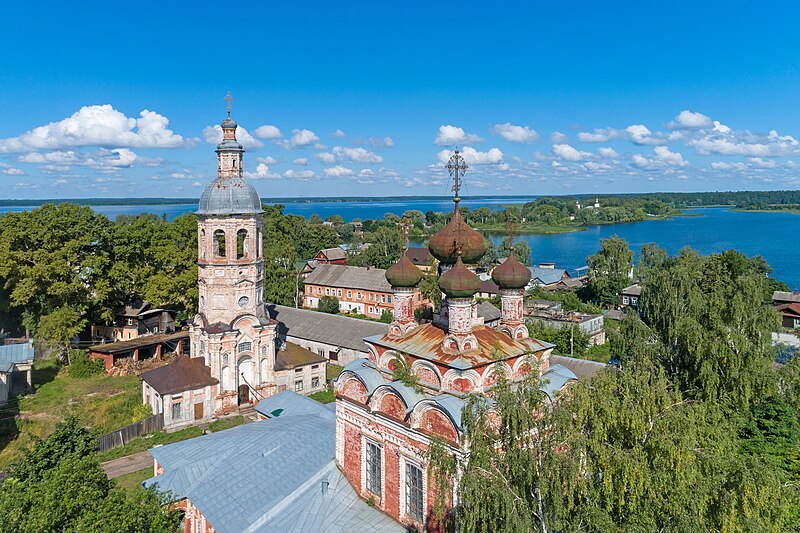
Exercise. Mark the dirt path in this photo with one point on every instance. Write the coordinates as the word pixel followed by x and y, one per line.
pixel 127 464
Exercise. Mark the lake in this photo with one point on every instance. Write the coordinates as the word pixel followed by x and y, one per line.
pixel 772 235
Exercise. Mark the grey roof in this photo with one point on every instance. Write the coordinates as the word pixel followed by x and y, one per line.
pixel 6 366
pixel 555 378
pixel 784 296
pixel 349 277
pixel 453 405
pixel 488 311
pixel 582 368
pixel 332 254
pixel 17 353
pixel 409 395
pixel 289 403
pixel 342 331
pixel 268 476
pixel 634 290
pixel 229 196
pixel 366 371
pixel 546 276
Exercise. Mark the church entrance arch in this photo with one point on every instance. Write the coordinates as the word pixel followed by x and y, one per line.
pixel 246 378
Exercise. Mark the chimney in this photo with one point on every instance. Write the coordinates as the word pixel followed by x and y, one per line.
pixel 325 484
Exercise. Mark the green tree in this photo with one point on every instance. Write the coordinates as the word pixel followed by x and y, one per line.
pixel 385 248
pixel 58 328
pixel 282 280
pixel 522 251
pixel 491 256
pixel 328 304
pixel 610 268
pixel 429 287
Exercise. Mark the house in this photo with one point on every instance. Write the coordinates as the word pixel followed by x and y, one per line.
pixel 271 476
pixel 362 290
pixel 550 314
pixel 16 363
pixel 790 315
pixel 183 391
pixel 549 277
pixel 630 296
pixel 134 320
pixel 421 258
pixel 339 339
pixel 488 289
pixel 331 256
pixel 784 297
pixel 489 313
pixel 140 348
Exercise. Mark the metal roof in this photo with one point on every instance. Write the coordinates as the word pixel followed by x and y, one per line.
pixel 547 276
pixel 17 353
pixel 289 403
pixel 582 368
pixel 333 254
pixel 367 373
pixel 349 277
pixel 6 366
pixel 555 378
pixel 276 475
pixel 634 290
pixel 784 296
pixel 488 312
pixel 229 196
pixel 184 373
pixel 291 355
pixel 342 331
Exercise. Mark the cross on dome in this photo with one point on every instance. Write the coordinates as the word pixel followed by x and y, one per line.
pixel 456 166
pixel 228 98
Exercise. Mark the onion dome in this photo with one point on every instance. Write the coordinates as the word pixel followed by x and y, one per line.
pixel 511 274
pixel 229 196
pixel 229 123
pixel 459 282
pixel 404 273
pixel 455 234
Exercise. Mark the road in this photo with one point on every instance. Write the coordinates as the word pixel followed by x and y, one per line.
pixel 127 464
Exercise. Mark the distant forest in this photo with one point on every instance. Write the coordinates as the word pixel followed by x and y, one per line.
pixel 740 199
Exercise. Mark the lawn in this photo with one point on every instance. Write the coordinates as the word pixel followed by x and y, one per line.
pixel 333 371
pixel 133 481
pixel 101 402
pixel 325 396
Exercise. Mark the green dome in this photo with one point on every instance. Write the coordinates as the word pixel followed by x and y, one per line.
pixel 511 274
pixel 403 273
pixel 458 282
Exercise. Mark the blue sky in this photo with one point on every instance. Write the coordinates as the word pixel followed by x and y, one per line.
pixel 367 98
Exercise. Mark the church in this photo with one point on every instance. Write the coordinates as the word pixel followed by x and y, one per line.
pixel 236 355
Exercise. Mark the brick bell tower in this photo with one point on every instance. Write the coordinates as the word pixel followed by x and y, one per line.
pixel 232 330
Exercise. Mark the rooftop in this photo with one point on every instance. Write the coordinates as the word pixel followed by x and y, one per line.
pixel 141 342
pixel 291 355
pixel 420 256
pixel 582 368
pixel 349 277
pixel 276 475
pixel 182 374
pixel 333 254
pixel 632 290
pixel 229 196
pixel 784 296
pixel 488 312
pixel 325 328
pixel 17 353
pixel 547 276
pixel 289 403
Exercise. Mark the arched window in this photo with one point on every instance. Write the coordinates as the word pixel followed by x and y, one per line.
pixel 241 244
pixel 219 243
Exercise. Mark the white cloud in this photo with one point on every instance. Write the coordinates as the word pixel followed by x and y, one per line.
pixel 721 165
pixel 357 155
pixel 605 151
pixel 98 125
pixel 474 157
pixel 366 172
pixel 213 136
pixel 763 163
pixel 599 135
pixel 303 161
pixel 558 138
pixel 269 160
pixel 591 165
pixel 50 157
pixel 721 128
pixel 449 135
pixel 299 139
pixel 388 142
pixel 338 171
pixel 723 141
pixel 689 120
pixel 303 174
pixel 661 158
pixel 326 158
pixel 514 133
pixel 8 170
pixel 641 134
pixel 569 153
pixel 267 131
pixel 339 134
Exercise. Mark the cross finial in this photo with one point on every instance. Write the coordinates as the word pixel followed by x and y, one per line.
pixel 456 166
pixel 510 227
pixel 229 99
pixel 405 235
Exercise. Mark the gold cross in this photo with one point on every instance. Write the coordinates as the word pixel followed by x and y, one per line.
pixel 457 167
pixel 229 99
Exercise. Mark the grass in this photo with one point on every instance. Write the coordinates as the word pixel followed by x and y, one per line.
pixel 133 481
pixel 101 402
pixel 325 396
pixel 333 371
pixel 150 440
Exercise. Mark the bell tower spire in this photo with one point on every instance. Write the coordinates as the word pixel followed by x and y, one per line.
pixel 229 152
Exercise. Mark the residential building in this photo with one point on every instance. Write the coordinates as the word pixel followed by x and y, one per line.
pixel 16 362
pixel 630 297
pixel 551 314
pixel 549 277
pixel 784 297
pixel 135 319
pixel 362 290
pixel 790 315
pixel 488 289
pixel 183 391
pixel 421 258
pixel 326 256
pixel 340 339
pixel 271 476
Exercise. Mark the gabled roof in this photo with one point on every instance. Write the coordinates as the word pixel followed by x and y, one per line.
pixel 276 475
pixel 547 276
pixel 488 312
pixel 784 296
pixel 632 290
pixel 342 331
pixel 582 368
pixel 792 309
pixel 420 256
pixel 489 286
pixel 291 355
pixel 17 353
pixel 555 378
pixel 184 373
pixel 132 344
pixel 289 403
pixel 349 277
pixel 133 308
pixel 332 254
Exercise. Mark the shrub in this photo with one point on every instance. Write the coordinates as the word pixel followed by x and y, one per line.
pixel 386 316
pixel 82 366
pixel 329 304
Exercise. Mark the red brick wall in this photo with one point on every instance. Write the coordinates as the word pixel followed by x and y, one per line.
pixel 352 455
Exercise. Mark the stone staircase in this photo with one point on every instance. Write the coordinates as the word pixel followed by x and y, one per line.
pixel 248 411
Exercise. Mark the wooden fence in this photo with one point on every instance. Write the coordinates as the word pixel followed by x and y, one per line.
pixel 124 435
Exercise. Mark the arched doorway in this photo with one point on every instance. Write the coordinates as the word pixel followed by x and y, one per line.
pixel 246 375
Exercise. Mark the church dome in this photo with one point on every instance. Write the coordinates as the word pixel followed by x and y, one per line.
pixel 443 243
pixel 404 273
pixel 511 274
pixel 229 196
pixel 459 282
pixel 229 123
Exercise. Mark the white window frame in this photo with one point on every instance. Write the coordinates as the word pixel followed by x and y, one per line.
pixel 404 500
pixel 365 444
pixel 625 300
pixel 298 385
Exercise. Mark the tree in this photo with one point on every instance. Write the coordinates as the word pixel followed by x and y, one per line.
pixel 60 327
pixel 328 304
pixel 610 269
pixel 522 250
pixel 491 256
pixel 429 287
pixel 281 278
pixel 385 248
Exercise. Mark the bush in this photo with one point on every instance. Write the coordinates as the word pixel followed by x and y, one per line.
pixel 140 412
pixel 386 316
pixel 82 366
pixel 329 304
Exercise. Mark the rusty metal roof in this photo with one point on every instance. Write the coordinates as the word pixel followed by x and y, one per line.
pixel 425 342
pixel 292 355
pixel 182 374
pixel 141 342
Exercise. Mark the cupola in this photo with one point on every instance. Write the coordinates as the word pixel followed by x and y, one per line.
pixel 511 274
pixel 459 282
pixel 404 273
